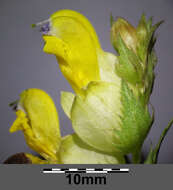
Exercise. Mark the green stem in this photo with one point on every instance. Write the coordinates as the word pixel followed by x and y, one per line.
pixel 136 156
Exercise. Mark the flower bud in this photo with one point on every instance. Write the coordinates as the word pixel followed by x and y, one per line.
pixel 137 59
pixel 126 31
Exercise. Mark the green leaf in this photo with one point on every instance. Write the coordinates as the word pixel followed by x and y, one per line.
pixel 153 154
pixel 74 151
pixel 149 159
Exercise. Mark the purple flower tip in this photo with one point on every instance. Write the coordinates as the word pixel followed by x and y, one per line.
pixel 45 28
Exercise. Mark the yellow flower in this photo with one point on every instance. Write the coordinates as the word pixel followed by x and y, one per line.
pixel 73 40
pixel 38 119
pixel 108 114
pixel 109 111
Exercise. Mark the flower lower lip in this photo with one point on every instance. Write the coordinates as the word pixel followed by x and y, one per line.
pixel 45 34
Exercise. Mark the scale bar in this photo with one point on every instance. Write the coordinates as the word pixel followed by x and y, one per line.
pixel 86 170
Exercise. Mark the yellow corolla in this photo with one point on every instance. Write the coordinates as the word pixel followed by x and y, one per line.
pixel 72 39
pixel 38 119
pixel 74 42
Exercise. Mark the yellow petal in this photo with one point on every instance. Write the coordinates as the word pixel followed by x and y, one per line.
pixel 81 19
pixel 74 42
pixel 38 119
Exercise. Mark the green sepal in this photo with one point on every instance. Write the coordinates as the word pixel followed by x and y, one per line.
pixel 74 151
pixel 96 117
pixel 106 124
pixel 145 35
pixel 142 33
pixel 135 121
pixel 129 67
pixel 149 76
pixel 154 152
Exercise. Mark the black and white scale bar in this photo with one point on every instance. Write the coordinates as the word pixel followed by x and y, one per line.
pixel 86 170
